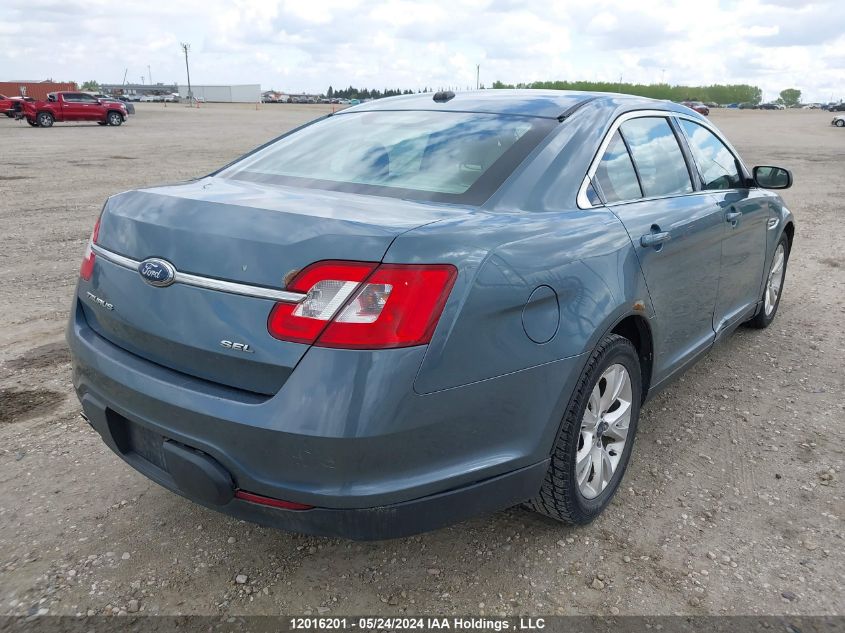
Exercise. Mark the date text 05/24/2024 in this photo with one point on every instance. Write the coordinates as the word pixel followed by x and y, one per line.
pixel 418 623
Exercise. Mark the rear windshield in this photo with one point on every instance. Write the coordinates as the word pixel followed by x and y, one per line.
pixel 441 156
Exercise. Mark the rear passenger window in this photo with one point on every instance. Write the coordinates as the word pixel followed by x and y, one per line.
pixel 615 174
pixel 657 156
pixel 716 163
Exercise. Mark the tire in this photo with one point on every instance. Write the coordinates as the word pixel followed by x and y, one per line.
pixel 114 118
pixel 840 123
pixel 774 280
pixel 561 496
pixel 44 119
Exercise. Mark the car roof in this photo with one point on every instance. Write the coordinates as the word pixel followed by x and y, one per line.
pixel 537 103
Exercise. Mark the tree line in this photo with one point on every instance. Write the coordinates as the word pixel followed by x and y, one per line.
pixel 364 93
pixel 717 93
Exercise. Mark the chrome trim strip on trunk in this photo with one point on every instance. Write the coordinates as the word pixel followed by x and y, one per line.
pixel 208 283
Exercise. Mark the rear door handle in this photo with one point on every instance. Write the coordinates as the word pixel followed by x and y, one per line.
pixel 654 239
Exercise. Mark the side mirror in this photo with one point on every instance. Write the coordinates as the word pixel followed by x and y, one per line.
pixel 769 177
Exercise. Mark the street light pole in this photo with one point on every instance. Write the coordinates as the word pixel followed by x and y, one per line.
pixel 477 76
pixel 186 47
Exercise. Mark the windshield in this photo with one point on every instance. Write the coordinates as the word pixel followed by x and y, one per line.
pixel 442 156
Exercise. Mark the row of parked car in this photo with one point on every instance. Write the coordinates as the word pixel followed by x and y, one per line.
pixel 704 108
pixel 163 98
pixel 308 99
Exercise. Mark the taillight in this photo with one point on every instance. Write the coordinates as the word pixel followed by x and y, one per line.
pixel 356 305
pixel 327 286
pixel 87 268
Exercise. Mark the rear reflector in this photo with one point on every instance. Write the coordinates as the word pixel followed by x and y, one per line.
pixel 358 305
pixel 269 501
pixel 87 268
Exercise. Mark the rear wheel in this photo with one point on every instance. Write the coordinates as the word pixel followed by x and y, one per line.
pixel 774 286
pixel 593 445
pixel 114 118
pixel 840 122
pixel 44 119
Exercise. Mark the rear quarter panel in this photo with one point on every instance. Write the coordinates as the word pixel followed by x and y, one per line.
pixel 585 257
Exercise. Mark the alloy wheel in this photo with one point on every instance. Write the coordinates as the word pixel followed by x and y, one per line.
pixel 774 280
pixel 604 431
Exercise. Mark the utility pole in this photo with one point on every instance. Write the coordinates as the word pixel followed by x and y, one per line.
pixel 185 48
pixel 149 74
pixel 477 76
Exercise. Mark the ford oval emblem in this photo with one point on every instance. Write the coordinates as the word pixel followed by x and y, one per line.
pixel 157 272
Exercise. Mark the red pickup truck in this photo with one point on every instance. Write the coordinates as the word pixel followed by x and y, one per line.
pixel 72 106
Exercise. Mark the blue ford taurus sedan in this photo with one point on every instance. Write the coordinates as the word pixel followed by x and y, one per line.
pixel 422 308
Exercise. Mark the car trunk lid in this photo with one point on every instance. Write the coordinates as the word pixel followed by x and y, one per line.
pixel 249 234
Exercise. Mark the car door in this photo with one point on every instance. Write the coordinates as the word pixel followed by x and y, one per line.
pixel 71 107
pixel 745 213
pixel 91 108
pixel 644 178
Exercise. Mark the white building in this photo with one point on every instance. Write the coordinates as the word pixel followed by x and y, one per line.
pixel 244 93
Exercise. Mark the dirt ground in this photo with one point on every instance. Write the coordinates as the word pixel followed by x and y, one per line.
pixel 733 502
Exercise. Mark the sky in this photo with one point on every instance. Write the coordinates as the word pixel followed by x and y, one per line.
pixel 308 45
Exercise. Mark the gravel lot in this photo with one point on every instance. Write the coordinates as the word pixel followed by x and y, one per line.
pixel 733 502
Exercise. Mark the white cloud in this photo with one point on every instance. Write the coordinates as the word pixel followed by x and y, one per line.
pixel 306 45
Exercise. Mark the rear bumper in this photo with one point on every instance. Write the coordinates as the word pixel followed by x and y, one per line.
pixel 376 523
pixel 346 434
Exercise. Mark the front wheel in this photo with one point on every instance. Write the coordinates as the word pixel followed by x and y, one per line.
pixel 44 119
pixel 114 118
pixel 774 286
pixel 840 122
pixel 593 445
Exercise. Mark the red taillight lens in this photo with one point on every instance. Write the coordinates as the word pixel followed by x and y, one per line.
pixel 398 306
pixel 328 285
pixel 87 268
pixel 364 306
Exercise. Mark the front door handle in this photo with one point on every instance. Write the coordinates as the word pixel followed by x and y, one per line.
pixel 654 239
pixel 733 216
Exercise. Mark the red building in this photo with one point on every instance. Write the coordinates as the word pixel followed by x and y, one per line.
pixel 35 89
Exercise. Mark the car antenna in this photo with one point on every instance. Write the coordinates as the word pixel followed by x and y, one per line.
pixel 443 96
pixel 573 109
